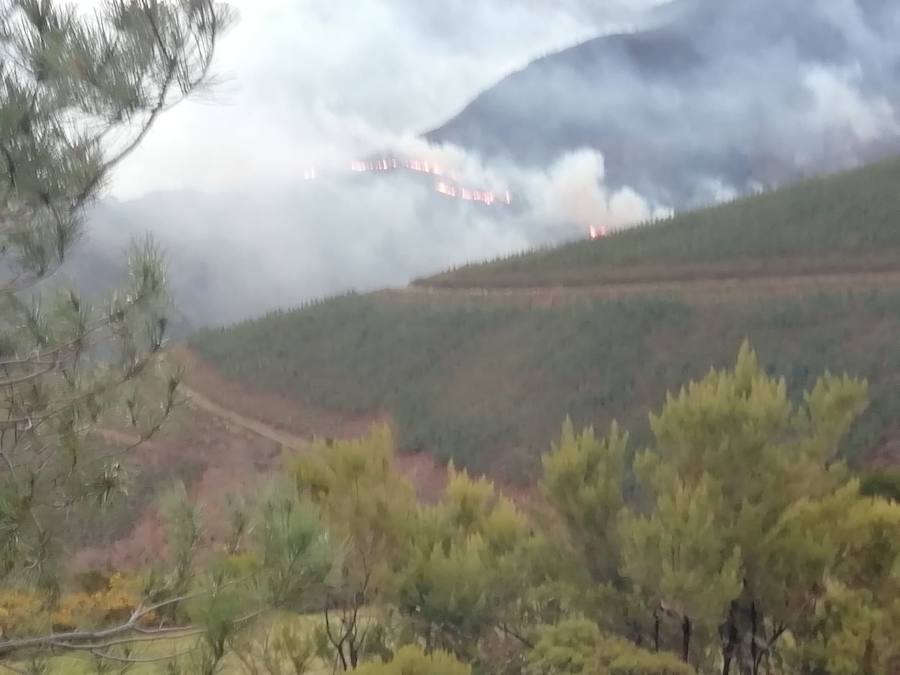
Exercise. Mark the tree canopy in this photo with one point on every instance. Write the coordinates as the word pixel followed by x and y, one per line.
pixel 79 91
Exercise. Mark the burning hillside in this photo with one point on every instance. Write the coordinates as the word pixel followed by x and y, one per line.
pixel 446 183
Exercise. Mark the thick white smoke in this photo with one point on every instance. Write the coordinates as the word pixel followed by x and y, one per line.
pixel 839 105
pixel 574 191
pixel 239 254
pixel 566 199
pixel 320 84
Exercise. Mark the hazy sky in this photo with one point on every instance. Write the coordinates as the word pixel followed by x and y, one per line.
pixel 320 82
pixel 304 80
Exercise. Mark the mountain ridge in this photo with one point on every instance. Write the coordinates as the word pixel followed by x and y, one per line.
pixel 735 94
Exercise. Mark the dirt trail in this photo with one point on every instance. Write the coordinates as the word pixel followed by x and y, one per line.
pixel 198 400
pixel 694 290
pixel 427 476
pixel 257 427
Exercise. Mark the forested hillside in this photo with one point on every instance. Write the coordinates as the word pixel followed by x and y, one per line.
pixel 484 378
pixel 840 223
pixel 486 384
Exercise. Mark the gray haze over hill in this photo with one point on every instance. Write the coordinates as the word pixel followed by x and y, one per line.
pixel 687 103
pixel 235 255
pixel 713 99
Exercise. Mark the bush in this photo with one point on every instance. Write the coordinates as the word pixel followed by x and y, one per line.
pixel 413 661
pixel 883 483
pixel 578 647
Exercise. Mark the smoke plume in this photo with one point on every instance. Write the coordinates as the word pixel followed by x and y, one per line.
pixel 698 101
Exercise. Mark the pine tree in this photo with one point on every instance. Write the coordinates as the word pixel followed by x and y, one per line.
pixel 79 91
pixel 736 441
pixel 746 544
pixel 467 571
pixel 584 482
pixel 680 557
pixel 370 510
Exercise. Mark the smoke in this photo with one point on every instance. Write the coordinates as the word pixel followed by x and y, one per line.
pixel 839 105
pixel 573 190
pixel 729 94
pixel 234 255
pixel 728 98
pixel 306 82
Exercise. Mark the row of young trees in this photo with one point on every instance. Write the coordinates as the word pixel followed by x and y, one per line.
pixel 739 544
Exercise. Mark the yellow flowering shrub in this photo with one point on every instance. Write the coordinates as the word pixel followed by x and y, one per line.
pixel 23 612
pixel 115 603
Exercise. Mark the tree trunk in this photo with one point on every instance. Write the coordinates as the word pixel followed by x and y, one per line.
pixel 354 654
pixel 731 640
pixel 686 639
pixel 656 630
pixel 754 646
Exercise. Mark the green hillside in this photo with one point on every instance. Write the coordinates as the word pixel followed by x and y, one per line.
pixel 840 223
pixel 488 385
pixel 485 379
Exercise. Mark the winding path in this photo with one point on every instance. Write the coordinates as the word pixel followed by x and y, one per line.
pixel 257 427
pixel 197 400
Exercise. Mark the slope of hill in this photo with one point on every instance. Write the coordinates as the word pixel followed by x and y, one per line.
pixel 841 223
pixel 709 94
pixel 486 377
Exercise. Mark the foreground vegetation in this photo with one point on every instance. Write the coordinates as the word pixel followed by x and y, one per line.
pixel 81 90
pixel 737 543
pixel 841 223
pixel 485 384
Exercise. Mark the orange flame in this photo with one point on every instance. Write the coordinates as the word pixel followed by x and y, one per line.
pixel 447 184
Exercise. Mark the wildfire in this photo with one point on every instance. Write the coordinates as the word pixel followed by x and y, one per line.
pixel 447 183
pixel 469 195
pixel 598 232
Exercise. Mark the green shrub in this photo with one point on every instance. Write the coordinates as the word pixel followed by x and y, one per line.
pixel 882 483
pixel 578 647
pixel 413 661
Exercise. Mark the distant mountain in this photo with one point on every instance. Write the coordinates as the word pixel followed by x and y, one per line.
pixel 709 99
